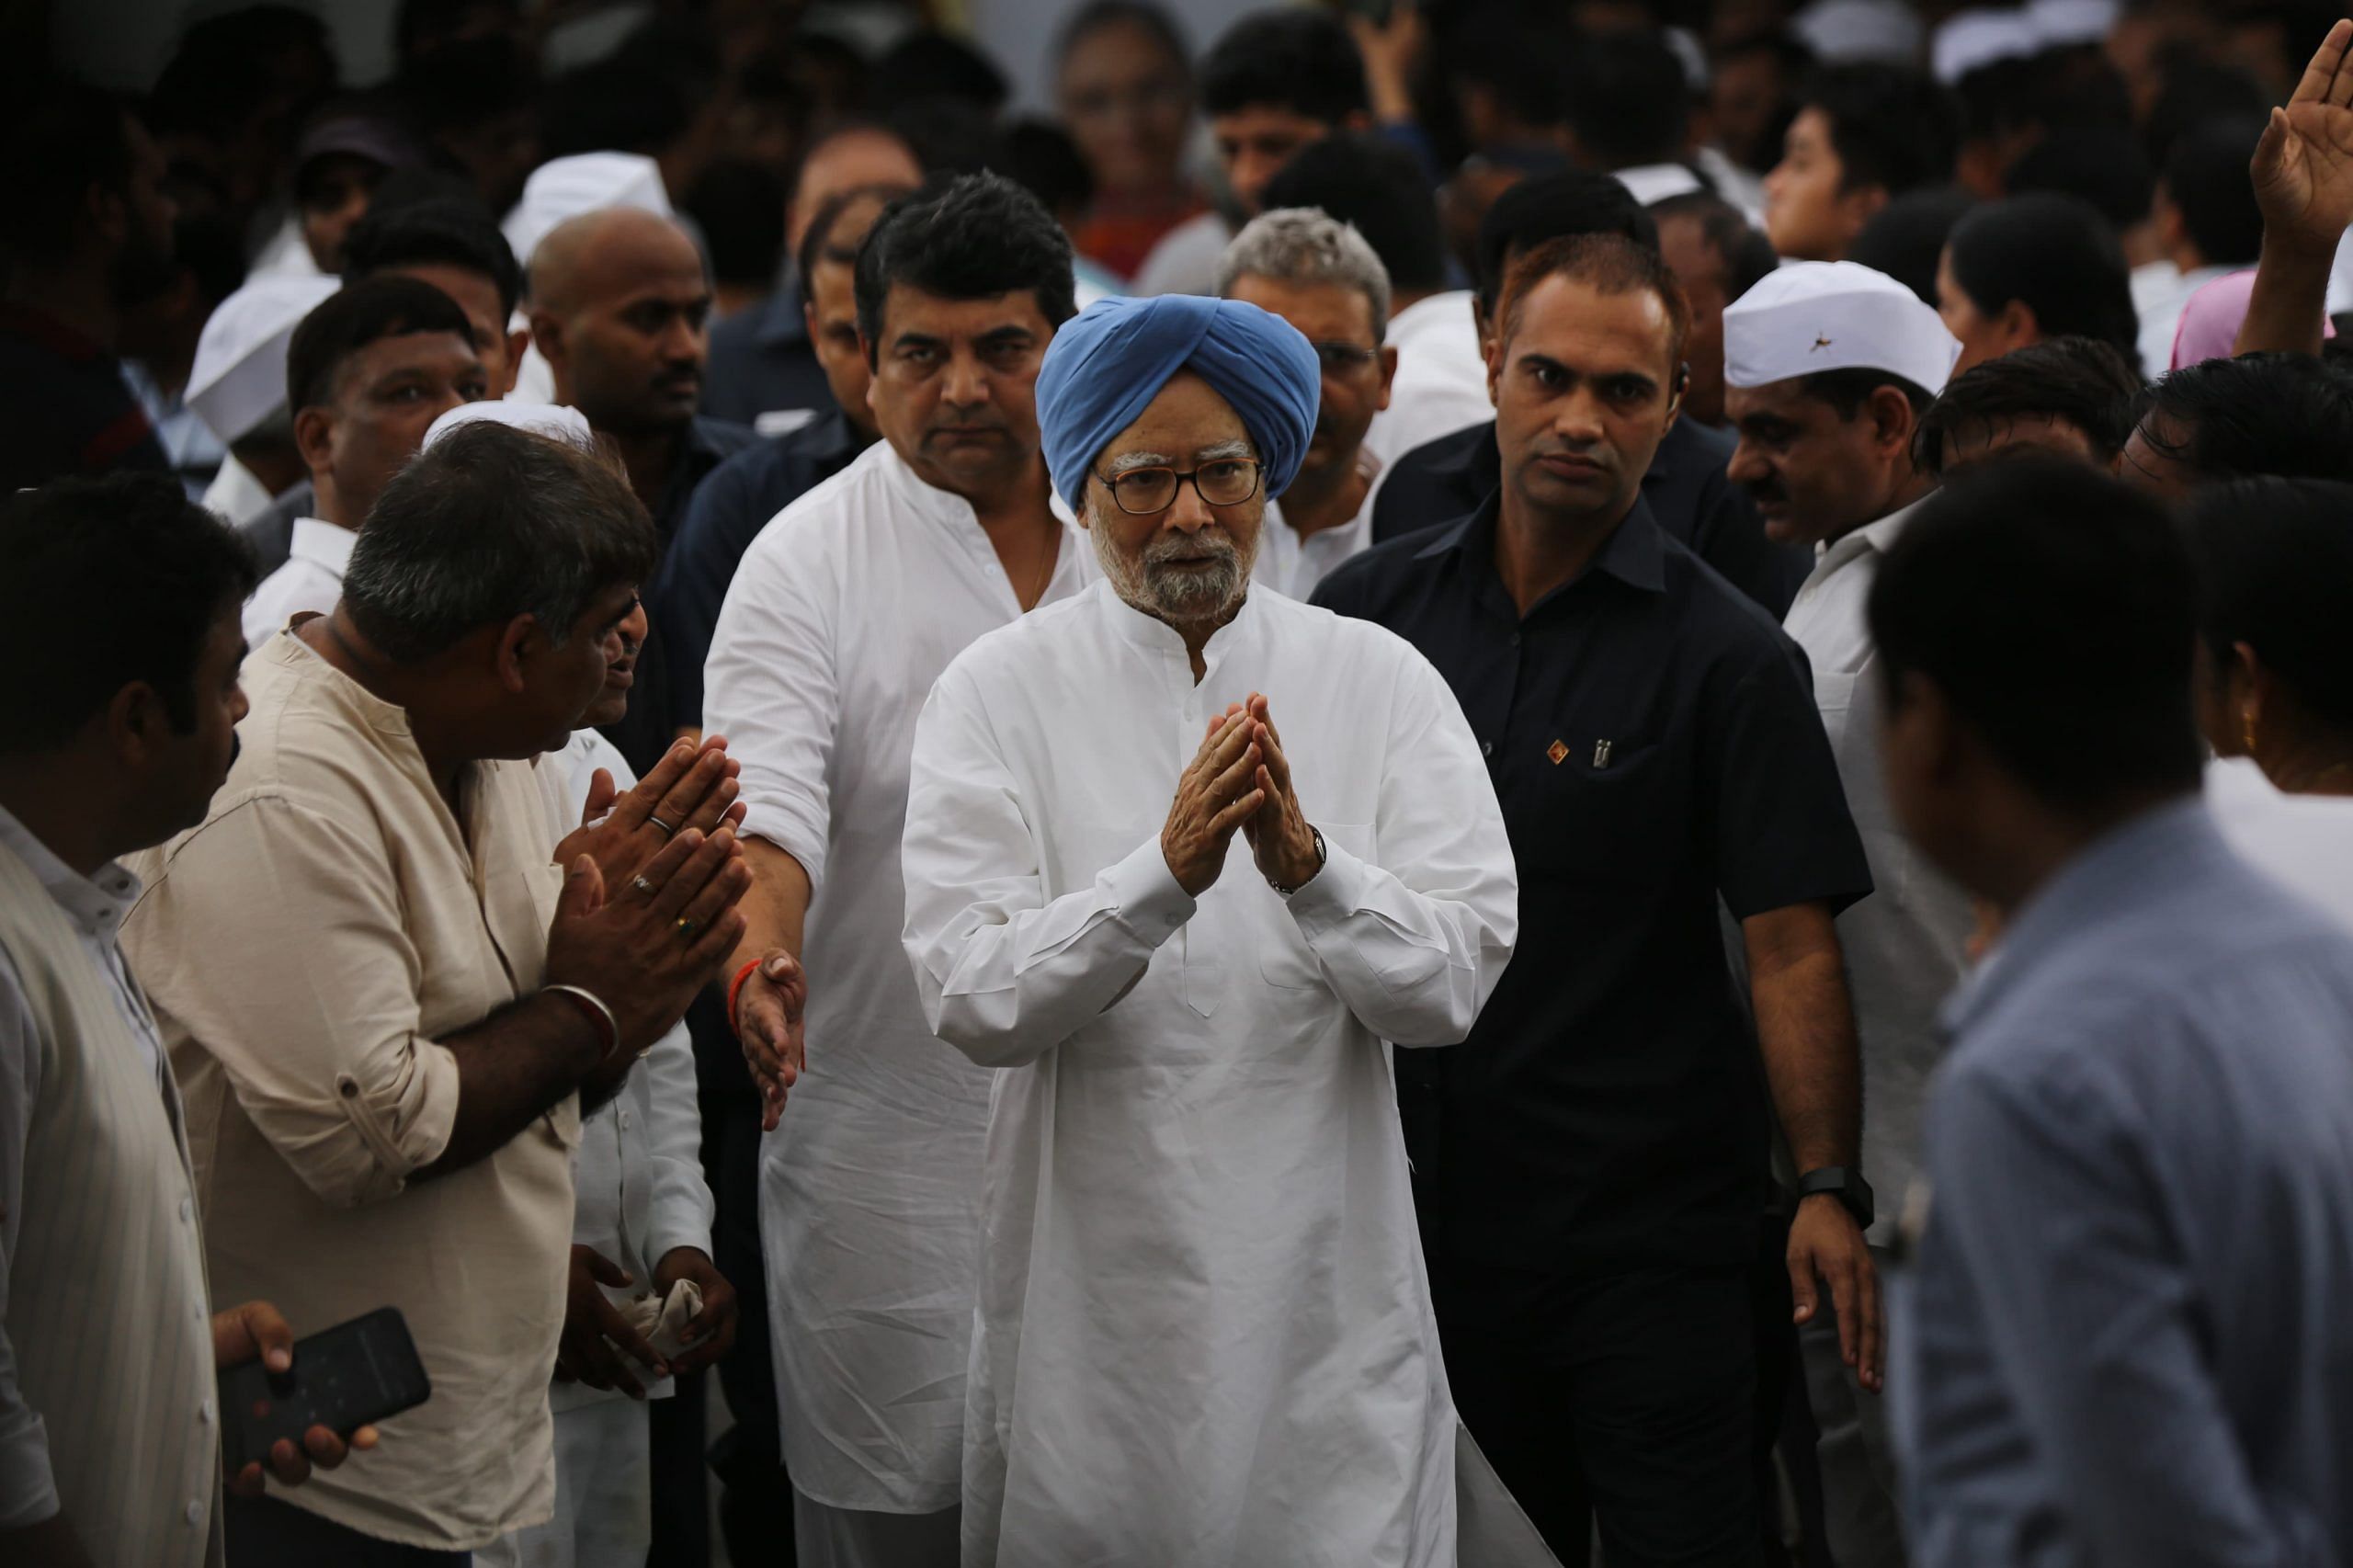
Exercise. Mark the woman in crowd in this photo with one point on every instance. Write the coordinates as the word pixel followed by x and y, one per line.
pixel 2020 271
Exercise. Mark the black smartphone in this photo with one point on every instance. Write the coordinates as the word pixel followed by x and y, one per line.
pixel 342 1378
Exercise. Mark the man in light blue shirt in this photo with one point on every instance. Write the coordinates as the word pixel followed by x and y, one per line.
pixel 2132 1341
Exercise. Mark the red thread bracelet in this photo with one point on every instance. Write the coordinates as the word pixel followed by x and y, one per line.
pixel 736 989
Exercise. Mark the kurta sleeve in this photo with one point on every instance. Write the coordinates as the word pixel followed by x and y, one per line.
pixel 313 1010
pixel 771 686
pixel 1005 975
pixel 679 1201
pixel 1415 939
pixel 27 1487
pixel 2045 1191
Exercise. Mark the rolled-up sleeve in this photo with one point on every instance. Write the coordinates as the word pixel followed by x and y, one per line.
pixel 770 687
pixel 270 945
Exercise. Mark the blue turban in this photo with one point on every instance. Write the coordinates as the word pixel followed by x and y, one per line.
pixel 1105 366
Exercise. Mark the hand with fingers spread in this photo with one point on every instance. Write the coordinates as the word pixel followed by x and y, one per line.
pixel 1279 834
pixel 2304 166
pixel 691 789
pixel 598 1346
pixel 645 947
pixel 258 1330
pixel 1217 794
pixel 767 1012
pixel 1826 1250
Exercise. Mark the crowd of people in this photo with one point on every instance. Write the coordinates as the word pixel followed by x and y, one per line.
pixel 1483 783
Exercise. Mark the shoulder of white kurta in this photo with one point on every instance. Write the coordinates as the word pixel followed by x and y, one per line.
pixel 820 518
pixel 1046 630
pixel 1354 643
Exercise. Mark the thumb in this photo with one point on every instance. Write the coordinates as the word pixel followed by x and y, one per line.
pixel 605 1271
pixel 1804 1291
pixel 267 1327
pixel 584 890
pixel 782 969
pixel 2271 150
pixel 602 793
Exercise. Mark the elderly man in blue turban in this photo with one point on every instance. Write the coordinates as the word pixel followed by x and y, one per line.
pixel 1180 855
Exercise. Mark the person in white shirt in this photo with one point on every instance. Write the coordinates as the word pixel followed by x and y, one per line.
pixel 1323 278
pixel 236 385
pixel 1827 368
pixel 110 1425
pixel 842 613
pixel 368 371
pixel 1204 1332
pixel 2207 217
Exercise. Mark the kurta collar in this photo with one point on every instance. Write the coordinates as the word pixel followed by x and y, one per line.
pixel 293 653
pixel 944 506
pixel 322 543
pixel 96 904
pixel 1872 538
pixel 1156 637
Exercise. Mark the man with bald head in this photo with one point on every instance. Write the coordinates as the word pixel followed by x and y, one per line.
pixel 621 307
pixel 1204 1334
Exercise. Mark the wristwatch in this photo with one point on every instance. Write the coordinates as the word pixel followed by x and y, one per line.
pixel 1287 892
pixel 1846 1185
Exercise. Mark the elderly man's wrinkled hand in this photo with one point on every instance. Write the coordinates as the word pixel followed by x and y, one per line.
pixel 1279 834
pixel 1217 794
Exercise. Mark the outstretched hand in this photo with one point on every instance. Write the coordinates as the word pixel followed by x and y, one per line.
pixel 2303 166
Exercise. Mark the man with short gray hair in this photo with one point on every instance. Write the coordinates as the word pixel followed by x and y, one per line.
pixel 1323 278
pixel 388 991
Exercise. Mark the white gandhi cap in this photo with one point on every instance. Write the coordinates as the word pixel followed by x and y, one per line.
pixel 563 188
pixel 238 378
pixel 558 422
pixel 1834 315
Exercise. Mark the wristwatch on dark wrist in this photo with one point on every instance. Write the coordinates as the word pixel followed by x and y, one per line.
pixel 1310 876
pixel 1846 1185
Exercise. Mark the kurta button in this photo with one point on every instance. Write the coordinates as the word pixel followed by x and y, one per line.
pixel 1515 639
pixel 194 1513
pixel 1487 748
pixel 204 1413
pixel 184 1207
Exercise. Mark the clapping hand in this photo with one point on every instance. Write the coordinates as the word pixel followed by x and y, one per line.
pixel 1216 794
pixel 1278 832
pixel 691 787
pixel 647 945
pixel 2303 166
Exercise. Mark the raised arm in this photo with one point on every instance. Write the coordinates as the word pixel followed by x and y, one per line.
pixel 2303 182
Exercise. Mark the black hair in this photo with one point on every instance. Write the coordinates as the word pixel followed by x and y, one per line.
pixel 2052 608
pixel 739 205
pixel 1295 58
pixel 947 135
pixel 60 138
pixel 1628 101
pixel 1552 207
pixel 817 244
pixel 167 572
pixel 435 24
pixel 389 305
pixel 1039 157
pixel 932 66
pixel 209 247
pixel 1907 238
pixel 2195 90
pixel 616 105
pixel 2089 384
pixel 2284 414
pixel 1747 256
pixel 2058 256
pixel 1846 389
pixel 1377 185
pixel 1892 126
pixel 486 524
pixel 1100 14
pixel 1517 58
pixel 467 81
pixel 2207 179
pixel 2104 165
pixel 2273 559
pixel 441 232
pixel 970 238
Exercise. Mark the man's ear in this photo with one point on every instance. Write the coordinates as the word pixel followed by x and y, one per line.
pixel 136 722
pixel 1892 421
pixel 1388 373
pixel 519 343
pixel 2018 326
pixel 518 644
pixel 314 438
pixel 548 332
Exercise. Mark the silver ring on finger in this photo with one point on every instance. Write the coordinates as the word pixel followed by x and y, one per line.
pixel 642 885
pixel 667 830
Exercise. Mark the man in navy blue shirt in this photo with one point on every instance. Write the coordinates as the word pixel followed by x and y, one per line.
pixel 1590 1165
pixel 1685 484
pixel 2129 1341
pixel 742 495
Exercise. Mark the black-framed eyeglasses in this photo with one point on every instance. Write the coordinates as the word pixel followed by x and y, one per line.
pixel 1341 357
pixel 1141 492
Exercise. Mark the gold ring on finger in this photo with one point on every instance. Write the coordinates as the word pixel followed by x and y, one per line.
pixel 687 928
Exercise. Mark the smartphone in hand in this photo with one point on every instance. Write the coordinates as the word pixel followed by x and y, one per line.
pixel 343 1378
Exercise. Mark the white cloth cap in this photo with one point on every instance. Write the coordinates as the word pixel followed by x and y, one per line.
pixel 586 182
pixel 2062 22
pixel 238 378
pixel 1834 315
pixel 1839 30
pixel 557 421
pixel 1968 40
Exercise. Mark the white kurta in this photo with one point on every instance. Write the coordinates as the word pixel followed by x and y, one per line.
pixel 1441 383
pixel 1205 1333
pixel 310 581
pixel 842 613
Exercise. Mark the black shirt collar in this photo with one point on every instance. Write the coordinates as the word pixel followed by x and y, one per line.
pixel 1635 552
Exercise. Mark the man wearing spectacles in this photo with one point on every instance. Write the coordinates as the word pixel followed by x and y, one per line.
pixel 1325 279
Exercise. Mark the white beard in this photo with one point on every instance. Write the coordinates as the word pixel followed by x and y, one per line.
pixel 1181 598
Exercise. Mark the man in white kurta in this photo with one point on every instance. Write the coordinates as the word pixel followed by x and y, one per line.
pixel 1204 1332
pixel 842 614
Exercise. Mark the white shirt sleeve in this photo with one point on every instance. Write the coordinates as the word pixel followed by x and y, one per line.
pixel 770 687
pixel 1004 974
pixel 28 1488
pixel 679 1201
pixel 1414 952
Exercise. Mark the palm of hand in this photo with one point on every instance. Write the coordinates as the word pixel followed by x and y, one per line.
pixel 2312 183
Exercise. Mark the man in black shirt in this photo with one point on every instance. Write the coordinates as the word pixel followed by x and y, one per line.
pixel 89 231
pixel 1684 485
pixel 1590 1165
